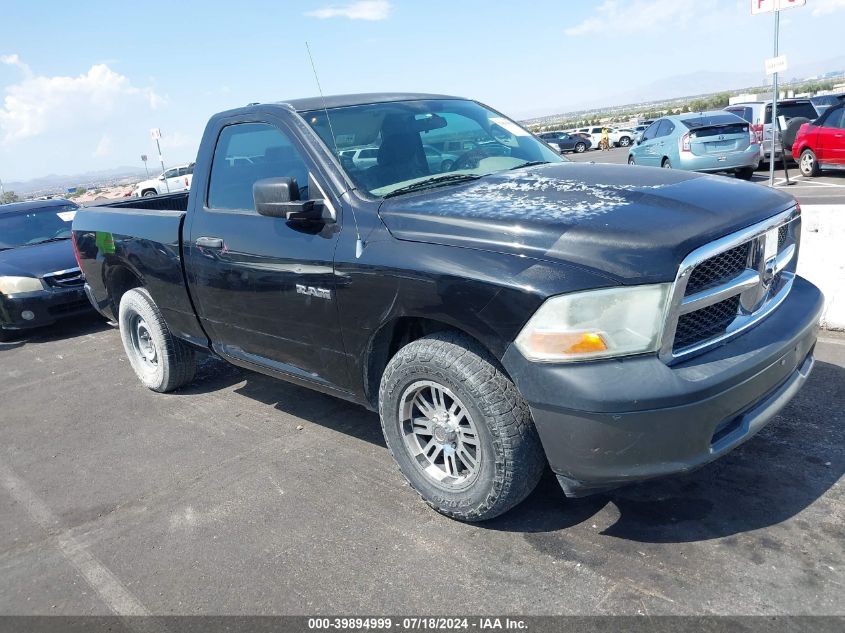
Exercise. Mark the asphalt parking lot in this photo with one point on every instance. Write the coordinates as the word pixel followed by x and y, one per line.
pixel 243 495
pixel 826 189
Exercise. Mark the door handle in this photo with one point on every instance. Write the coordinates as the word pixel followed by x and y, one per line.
pixel 209 242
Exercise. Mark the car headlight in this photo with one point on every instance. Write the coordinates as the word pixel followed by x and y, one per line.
pixel 14 285
pixel 596 324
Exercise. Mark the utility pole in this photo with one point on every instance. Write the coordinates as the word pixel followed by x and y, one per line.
pixel 773 66
pixel 156 134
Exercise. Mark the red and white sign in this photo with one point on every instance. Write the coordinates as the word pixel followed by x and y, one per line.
pixel 768 6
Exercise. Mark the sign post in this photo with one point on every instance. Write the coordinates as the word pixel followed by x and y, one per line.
pixel 776 64
pixel 156 134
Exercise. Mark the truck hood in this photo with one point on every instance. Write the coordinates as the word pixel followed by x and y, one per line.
pixel 635 224
pixel 37 260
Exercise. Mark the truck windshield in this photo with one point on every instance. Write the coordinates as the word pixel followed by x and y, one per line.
pixel 35 226
pixel 392 148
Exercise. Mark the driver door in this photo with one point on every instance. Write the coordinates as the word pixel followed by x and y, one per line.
pixel 266 287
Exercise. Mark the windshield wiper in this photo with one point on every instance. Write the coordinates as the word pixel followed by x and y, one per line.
pixel 532 163
pixel 49 239
pixel 432 182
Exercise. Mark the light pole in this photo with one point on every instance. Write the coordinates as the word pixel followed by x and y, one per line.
pixel 156 134
pixel 775 124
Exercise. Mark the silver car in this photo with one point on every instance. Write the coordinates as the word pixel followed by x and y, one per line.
pixel 714 141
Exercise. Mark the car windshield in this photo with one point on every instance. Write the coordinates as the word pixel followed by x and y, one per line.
pixel 397 139
pixel 34 226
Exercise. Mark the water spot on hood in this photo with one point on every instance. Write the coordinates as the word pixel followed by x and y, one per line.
pixel 535 197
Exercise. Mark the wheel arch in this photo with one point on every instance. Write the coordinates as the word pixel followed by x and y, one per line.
pixel 118 279
pixel 395 334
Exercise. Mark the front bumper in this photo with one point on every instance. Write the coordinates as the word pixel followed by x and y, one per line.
pixel 608 423
pixel 47 307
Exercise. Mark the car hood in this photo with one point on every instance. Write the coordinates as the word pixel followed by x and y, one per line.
pixel 37 260
pixel 635 224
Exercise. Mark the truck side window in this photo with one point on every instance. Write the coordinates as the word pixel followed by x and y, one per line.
pixel 245 153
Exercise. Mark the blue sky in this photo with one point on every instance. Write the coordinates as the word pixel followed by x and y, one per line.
pixel 81 84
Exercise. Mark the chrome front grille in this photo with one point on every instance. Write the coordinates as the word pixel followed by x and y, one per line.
pixel 71 278
pixel 725 287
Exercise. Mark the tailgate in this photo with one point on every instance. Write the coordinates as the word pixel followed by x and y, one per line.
pixel 720 139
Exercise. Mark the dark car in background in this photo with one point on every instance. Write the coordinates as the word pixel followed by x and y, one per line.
pixel 40 281
pixel 567 142
pixel 823 102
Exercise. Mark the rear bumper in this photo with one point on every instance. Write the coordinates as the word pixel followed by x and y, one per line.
pixel 605 424
pixel 732 160
pixel 46 306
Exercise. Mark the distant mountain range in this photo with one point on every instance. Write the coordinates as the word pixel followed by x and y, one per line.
pixel 695 83
pixel 56 183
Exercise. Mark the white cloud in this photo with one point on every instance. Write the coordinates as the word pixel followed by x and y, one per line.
pixel 614 17
pixel 362 10
pixel 38 104
pixel 14 60
pixel 104 146
pixel 824 7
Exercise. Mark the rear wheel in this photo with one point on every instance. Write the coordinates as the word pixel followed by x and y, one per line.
pixel 624 141
pixel 746 173
pixel 808 163
pixel 580 148
pixel 161 361
pixel 666 164
pixel 446 165
pixel 459 430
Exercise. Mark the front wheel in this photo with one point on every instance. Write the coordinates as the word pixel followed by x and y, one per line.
pixel 446 165
pixel 460 432
pixel 161 361
pixel 808 163
pixel 149 193
pixel 631 160
pixel 624 141
pixel 666 164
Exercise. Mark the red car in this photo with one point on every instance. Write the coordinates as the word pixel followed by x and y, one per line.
pixel 821 144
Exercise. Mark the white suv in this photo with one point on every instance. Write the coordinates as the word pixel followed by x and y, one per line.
pixel 618 138
pixel 759 115
pixel 173 180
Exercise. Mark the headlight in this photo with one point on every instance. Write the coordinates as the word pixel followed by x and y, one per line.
pixel 14 285
pixel 596 324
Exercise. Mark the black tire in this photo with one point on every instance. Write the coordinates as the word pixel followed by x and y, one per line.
pixel 808 164
pixel 580 148
pixel 666 164
pixel 149 193
pixel 169 363
pixel 791 131
pixel 446 165
pixel 746 173
pixel 510 459
pixel 625 141
pixel 631 160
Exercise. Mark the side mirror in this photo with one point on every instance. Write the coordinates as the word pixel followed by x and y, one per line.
pixel 161 177
pixel 279 198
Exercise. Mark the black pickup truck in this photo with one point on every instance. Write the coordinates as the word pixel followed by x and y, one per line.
pixel 502 310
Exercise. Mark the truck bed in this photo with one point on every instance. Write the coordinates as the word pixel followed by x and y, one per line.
pixel 138 242
pixel 170 202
